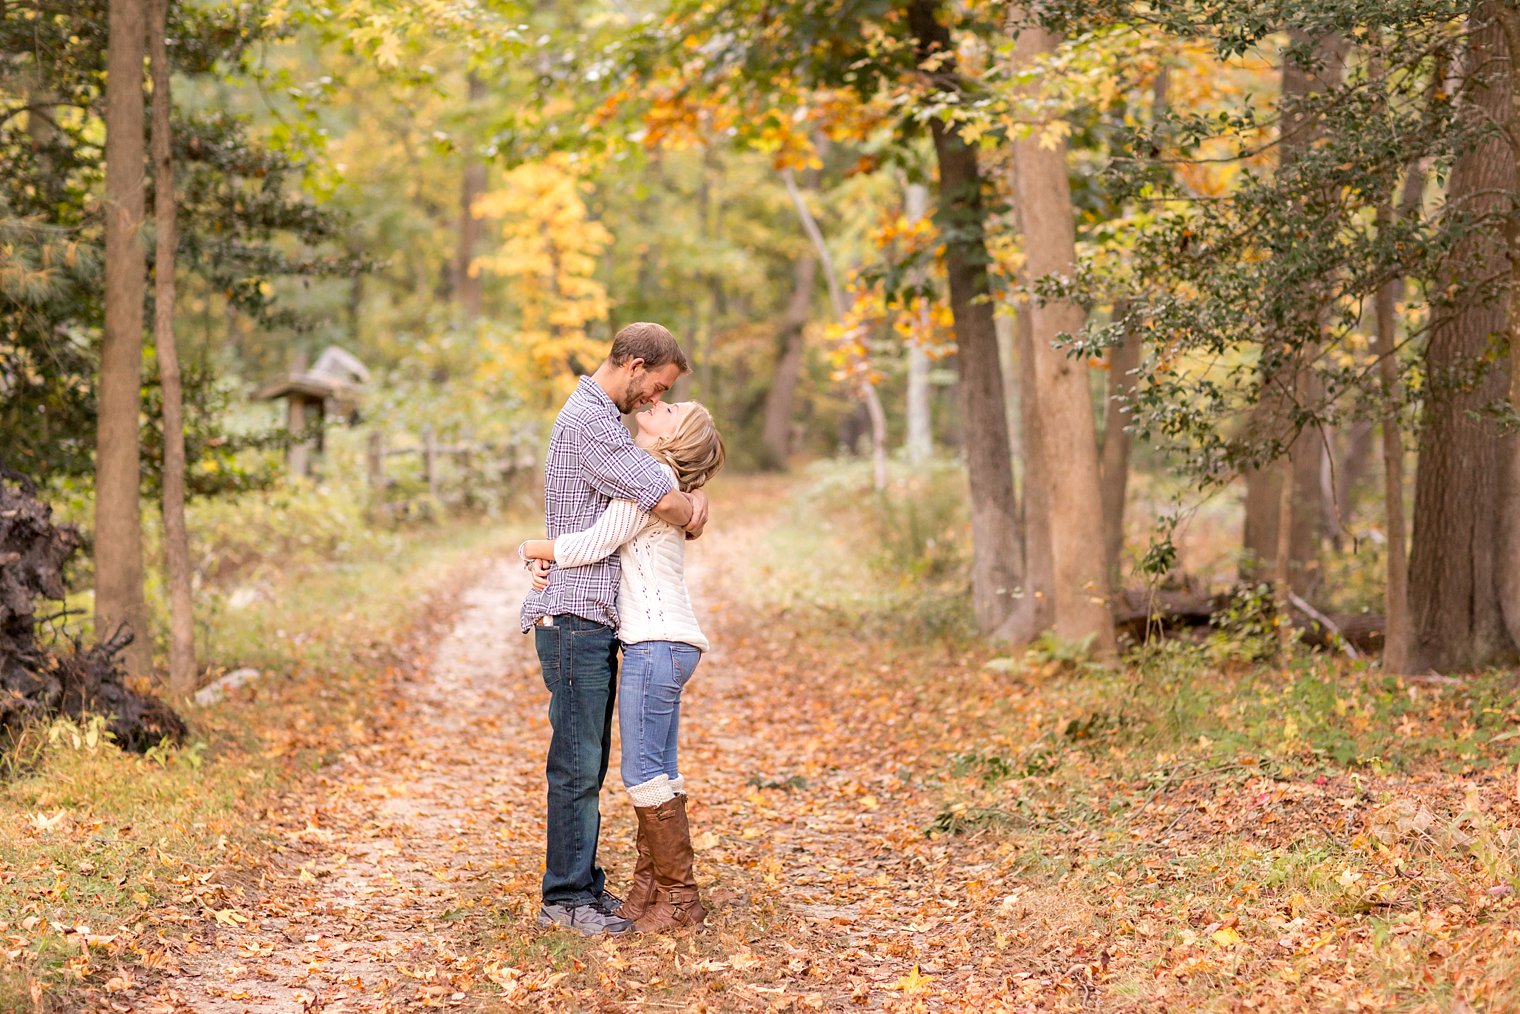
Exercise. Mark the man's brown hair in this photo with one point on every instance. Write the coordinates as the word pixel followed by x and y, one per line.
pixel 650 342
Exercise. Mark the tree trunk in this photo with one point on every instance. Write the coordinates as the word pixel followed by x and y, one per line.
pixel 920 440
pixel 467 283
pixel 1509 501
pixel 1346 483
pixel 119 597
pixel 1396 572
pixel 1038 612
pixel 176 539
pixel 1123 360
pixel 1273 410
pixel 1068 430
pixel 996 561
pixel 780 400
pixel 1456 620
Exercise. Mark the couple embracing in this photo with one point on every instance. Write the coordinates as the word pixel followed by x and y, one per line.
pixel 619 510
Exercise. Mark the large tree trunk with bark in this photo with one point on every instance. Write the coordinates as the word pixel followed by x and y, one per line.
pixel 781 398
pixel 1272 415
pixel 1068 429
pixel 1456 616
pixel 1509 502
pixel 119 597
pixel 996 562
pixel 176 537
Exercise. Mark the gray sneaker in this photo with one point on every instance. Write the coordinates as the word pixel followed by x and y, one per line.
pixel 587 918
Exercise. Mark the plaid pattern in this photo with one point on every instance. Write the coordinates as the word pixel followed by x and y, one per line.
pixel 592 461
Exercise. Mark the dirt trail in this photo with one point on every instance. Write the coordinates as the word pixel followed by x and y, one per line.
pixel 363 910
pixel 411 878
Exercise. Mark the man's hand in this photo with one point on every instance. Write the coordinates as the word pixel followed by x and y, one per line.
pixel 698 514
pixel 539 569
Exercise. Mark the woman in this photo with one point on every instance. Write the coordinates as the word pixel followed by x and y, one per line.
pixel 662 644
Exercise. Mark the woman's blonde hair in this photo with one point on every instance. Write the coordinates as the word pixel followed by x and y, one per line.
pixel 695 450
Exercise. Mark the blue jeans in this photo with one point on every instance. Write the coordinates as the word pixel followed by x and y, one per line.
pixel 649 706
pixel 579 659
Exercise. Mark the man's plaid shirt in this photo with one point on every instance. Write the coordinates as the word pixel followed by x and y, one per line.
pixel 592 461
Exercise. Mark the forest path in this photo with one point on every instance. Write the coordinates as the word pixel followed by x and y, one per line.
pixel 409 878
pixel 366 905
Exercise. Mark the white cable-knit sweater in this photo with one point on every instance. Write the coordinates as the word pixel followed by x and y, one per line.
pixel 652 602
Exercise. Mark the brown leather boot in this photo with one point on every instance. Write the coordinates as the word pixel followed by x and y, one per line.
pixel 642 888
pixel 674 902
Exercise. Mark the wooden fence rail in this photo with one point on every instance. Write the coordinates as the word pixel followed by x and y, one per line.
pixel 478 464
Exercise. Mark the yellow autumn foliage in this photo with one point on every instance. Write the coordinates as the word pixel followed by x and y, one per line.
pixel 548 256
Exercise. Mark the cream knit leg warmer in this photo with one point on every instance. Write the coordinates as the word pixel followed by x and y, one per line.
pixel 652 793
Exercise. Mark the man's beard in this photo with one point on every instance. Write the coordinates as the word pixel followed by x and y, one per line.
pixel 629 401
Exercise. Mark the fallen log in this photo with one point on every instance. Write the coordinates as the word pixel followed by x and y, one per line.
pixel 1144 614
pixel 37 684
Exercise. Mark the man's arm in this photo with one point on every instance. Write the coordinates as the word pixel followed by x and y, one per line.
pixel 684 510
pixel 616 468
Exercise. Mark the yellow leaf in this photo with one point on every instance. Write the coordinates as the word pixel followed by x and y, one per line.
pixel 914 981
pixel 1053 133
pixel 388 53
pixel 1226 936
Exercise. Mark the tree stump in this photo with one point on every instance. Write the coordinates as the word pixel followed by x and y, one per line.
pixel 36 684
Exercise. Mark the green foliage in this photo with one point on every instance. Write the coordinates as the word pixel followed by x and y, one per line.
pixel 240 219
pixel 1055 652
pixel 1261 273
pixel 852 556
pixel 1246 629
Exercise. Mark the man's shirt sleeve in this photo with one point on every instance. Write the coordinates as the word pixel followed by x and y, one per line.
pixel 616 468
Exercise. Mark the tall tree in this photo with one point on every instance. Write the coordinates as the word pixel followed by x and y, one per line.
pixel 1312 65
pixel 1509 506
pixel 176 538
pixel 997 566
pixel 119 596
pixel 1456 615
pixel 1068 431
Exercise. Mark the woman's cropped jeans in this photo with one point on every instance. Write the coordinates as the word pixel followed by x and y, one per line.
pixel 649 707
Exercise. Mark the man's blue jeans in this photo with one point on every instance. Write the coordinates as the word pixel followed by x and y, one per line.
pixel 579 659
pixel 649 707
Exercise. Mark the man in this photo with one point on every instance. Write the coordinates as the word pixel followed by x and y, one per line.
pixel 592 461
